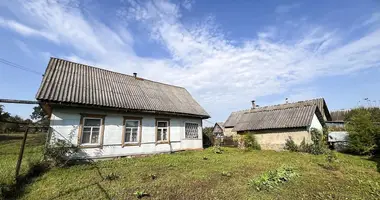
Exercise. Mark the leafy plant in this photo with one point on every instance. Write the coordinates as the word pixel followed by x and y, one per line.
pixel 331 161
pixel 140 194
pixel 250 142
pixel 363 134
pixel 205 158
pixel 318 146
pixel 59 153
pixel 112 176
pixel 290 145
pixel 153 176
pixel 272 179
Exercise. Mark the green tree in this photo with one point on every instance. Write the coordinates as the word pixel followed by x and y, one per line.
pixel 363 134
pixel 39 115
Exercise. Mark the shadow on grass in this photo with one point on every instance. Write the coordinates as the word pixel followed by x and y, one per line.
pixel 376 159
pixel 17 189
pixel 92 163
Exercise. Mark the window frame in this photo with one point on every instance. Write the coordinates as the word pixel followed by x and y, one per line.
pixel 139 131
pixel 81 129
pixel 168 130
pixel 184 130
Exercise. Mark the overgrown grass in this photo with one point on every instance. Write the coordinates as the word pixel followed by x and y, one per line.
pixel 187 175
pixel 9 150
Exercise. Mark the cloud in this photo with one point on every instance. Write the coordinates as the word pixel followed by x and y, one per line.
pixel 219 72
pixel 286 8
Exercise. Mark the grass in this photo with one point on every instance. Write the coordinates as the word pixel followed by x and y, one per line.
pixel 188 175
pixel 9 151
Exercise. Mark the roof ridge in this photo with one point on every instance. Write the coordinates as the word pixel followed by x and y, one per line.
pixel 115 72
pixel 299 106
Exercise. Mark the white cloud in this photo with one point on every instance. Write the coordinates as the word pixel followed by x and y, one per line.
pixel 219 73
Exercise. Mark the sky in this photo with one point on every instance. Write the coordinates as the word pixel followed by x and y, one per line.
pixel 225 53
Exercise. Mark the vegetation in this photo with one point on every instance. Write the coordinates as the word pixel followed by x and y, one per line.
pixel 317 147
pixel 250 142
pixel 187 174
pixel 31 165
pixel 271 179
pixel 207 137
pixel 364 132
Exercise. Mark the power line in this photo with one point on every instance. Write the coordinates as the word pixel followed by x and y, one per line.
pixel 12 64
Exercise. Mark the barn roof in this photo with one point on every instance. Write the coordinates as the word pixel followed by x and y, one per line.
pixel 67 82
pixel 292 117
pixel 234 118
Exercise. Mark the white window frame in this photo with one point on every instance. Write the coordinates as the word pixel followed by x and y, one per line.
pixel 83 127
pixel 162 132
pixel 184 131
pixel 138 131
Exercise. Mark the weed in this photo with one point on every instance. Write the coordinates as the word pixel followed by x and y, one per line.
pixel 272 179
pixel 140 194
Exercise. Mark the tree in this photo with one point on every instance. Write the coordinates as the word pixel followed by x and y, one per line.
pixel 363 133
pixel 39 115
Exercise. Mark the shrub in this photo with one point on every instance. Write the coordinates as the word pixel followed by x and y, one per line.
pixel 59 153
pixel 271 179
pixel 363 134
pixel 305 147
pixel 318 146
pixel 140 194
pixel 331 161
pixel 290 145
pixel 250 142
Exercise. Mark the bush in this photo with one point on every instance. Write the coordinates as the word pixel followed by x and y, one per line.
pixel 363 134
pixel 318 146
pixel 290 145
pixel 305 147
pixel 271 179
pixel 59 153
pixel 331 161
pixel 250 142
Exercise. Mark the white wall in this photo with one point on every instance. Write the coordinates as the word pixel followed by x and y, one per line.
pixel 65 123
pixel 315 123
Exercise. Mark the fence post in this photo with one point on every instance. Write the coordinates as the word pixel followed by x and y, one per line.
pixel 20 155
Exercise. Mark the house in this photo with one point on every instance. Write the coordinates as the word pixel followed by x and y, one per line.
pixel 109 114
pixel 218 129
pixel 273 125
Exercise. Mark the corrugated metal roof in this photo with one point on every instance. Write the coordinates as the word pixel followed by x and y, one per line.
pixel 338 136
pixel 320 102
pixel 292 117
pixel 69 82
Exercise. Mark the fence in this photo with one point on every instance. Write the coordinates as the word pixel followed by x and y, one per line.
pixel 21 154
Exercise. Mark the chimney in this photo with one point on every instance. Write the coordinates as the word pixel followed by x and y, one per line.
pixel 286 100
pixel 253 104
pixel 135 75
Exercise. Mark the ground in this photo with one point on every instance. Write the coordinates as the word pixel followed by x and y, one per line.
pixel 189 175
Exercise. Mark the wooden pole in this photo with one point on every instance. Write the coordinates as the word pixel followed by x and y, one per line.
pixel 18 101
pixel 20 155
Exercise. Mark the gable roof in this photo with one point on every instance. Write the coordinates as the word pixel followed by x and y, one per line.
pixel 73 83
pixel 320 103
pixel 218 127
pixel 292 117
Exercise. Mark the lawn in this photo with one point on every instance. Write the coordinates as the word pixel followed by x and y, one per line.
pixel 9 151
pixel 188 175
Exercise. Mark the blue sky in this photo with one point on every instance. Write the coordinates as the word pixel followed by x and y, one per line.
pixel 226 53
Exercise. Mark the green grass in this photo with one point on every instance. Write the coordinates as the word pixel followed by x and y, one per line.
pixel 188 175
pixel 9 151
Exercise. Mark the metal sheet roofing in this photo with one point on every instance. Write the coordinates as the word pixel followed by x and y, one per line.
pixel 338 136
pixel 69 82
pixel 320 102
pixel 292 117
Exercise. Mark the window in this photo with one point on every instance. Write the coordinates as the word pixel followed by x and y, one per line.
pixel 131 131
pixel 91 130
pixel 191 131
pixel 162 131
